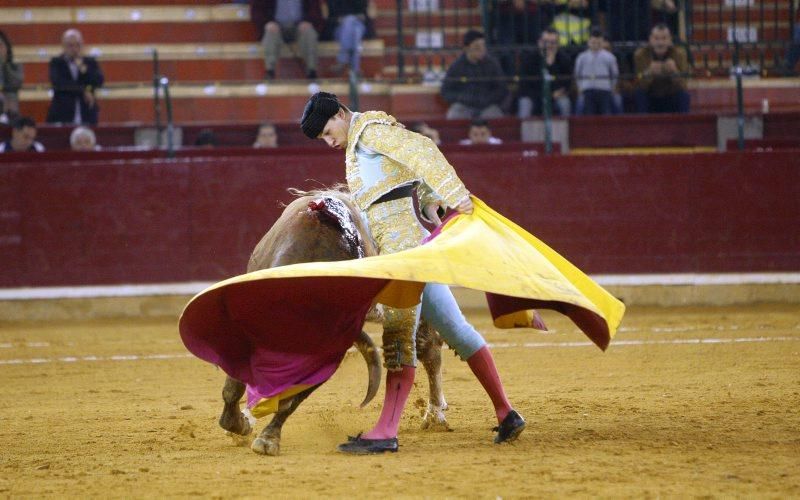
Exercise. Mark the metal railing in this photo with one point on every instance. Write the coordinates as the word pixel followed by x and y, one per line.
pixel 161 84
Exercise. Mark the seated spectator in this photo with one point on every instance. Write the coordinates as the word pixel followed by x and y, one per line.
pixel 348 23
pixel 206 139
pixel 11 80
pixel 479 133
pixel 558 66
pixel 474 85
pixel 574 22
pixel 267 136
pixel 428 131
pixel 660 67
pixel 23 135
pixel 83 139
pixel 285 21
pixel 596 74
pixel 75 78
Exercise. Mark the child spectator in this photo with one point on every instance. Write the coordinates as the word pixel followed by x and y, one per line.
pixel 596 75
pixel 23 135
pixel 480 133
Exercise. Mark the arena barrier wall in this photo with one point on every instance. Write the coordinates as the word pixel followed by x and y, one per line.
pixel 197 219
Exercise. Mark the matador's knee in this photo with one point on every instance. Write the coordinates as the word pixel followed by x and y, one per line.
pixel 399 331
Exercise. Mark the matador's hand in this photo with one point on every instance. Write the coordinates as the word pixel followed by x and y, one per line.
pixel 431 212
pixel 465 206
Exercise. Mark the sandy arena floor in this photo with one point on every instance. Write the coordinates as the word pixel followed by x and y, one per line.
pixel 686 402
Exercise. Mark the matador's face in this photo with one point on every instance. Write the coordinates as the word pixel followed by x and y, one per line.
pixel 335 132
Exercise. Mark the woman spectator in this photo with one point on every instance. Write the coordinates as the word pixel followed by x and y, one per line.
pixel 11 78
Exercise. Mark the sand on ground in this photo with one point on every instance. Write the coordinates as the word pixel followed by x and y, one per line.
pixel 686 402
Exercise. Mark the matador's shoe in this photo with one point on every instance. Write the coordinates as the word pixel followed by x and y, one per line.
pixel 363 446
pixel 510 428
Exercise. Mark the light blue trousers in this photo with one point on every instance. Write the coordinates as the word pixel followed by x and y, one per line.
pixel 441 310
pixel 349 34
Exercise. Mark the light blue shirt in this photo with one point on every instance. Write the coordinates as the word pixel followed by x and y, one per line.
pixel 288 12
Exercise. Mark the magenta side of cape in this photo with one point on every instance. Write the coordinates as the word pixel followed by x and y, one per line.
pixel 274 334
pixel 593 325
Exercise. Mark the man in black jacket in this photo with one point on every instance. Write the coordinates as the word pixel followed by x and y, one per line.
pixel 74 78
pixel 474 85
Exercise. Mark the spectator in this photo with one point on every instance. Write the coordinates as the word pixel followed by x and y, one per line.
pixel 428 131
pixel 596 74
pixel 474 84
pixel 11 74
pixel 558 65
pixel 286 21
pixel 659 68
pixel 573 23
pixel 23 135
pixel 83 139
pixel 479 133
pixel 267 136
pixel 74 78
pixel 205 139
pixel 348 23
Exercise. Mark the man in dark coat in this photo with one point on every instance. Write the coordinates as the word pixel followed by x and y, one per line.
pixel 474 85
pixel 75 78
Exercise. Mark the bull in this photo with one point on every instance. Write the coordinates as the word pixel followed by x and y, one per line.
pixel 325 226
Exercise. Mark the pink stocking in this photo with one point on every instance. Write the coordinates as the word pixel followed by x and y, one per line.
pixel 482 365
pixel 398 386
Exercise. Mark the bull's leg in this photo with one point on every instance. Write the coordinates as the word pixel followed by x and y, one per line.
pixel 232 419
pixel 429 352
pixel 268 441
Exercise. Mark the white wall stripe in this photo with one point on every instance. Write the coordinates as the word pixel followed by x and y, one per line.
pixel 525 345
pixel 192 288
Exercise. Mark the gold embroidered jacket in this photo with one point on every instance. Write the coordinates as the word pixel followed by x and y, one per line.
pixel 382 155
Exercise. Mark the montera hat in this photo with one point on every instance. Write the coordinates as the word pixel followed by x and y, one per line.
pixel 320 108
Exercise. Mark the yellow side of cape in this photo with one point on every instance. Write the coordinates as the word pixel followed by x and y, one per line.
pixel 483 251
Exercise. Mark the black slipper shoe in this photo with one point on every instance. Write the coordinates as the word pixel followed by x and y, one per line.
pixel 510 428
pixel 362 446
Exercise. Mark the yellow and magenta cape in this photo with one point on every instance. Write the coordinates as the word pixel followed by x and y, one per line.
pixel 283 329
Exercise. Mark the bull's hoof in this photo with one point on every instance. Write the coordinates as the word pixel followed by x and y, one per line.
pixel 271 447
pixel 235 422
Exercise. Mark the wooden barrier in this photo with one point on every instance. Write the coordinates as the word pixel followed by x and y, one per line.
pixel 198 218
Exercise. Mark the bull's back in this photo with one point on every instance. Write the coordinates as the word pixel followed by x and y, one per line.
pixel 300 235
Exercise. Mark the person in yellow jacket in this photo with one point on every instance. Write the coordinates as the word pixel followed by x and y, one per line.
pixel 385 163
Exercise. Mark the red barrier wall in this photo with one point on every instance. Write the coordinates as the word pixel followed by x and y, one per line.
pixel 157 220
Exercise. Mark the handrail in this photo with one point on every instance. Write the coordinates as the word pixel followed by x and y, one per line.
pixel 161 82
pixel 156 100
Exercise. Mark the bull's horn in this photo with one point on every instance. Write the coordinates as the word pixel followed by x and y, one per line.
pixel 367 349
